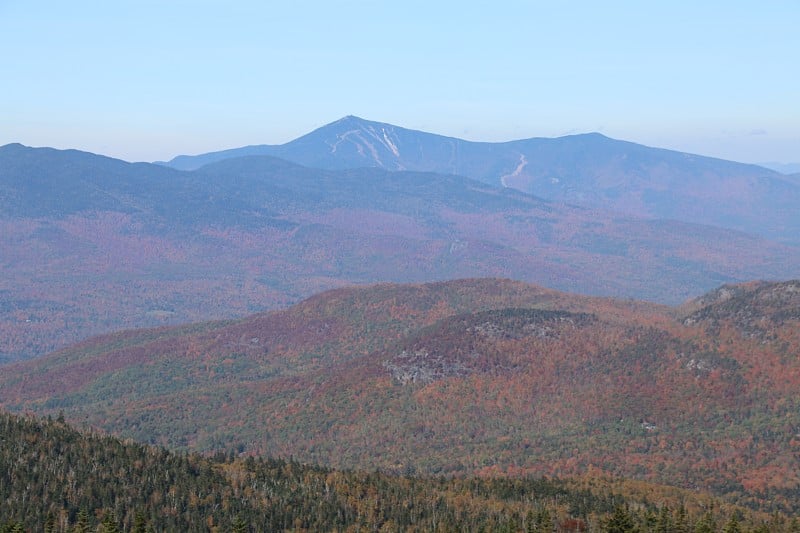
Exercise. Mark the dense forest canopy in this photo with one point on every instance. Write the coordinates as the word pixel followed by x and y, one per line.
pixel 57 479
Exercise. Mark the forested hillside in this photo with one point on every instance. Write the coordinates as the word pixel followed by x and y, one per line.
pixel 55 479
pixel 91 244
pixel 468 377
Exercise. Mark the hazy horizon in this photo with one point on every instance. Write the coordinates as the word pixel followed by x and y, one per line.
pixel 147 81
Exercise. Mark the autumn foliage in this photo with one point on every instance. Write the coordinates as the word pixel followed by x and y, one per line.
pixel 471 377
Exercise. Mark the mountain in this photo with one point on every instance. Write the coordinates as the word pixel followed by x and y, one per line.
pixel 591 170
pixel 90 244
pixel 97 483
pixel 488 377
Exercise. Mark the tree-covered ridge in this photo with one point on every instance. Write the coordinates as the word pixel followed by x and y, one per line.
pixel 327 328
pixel 57 479
pixel 755 310
pixel 92 244
pixel 487 377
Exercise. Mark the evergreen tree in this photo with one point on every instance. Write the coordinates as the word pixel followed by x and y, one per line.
pixel 109 523
pixel 543 520
pixel 682 520
pixel 82 523
pixel 648 521
pixel 530 522
pixel 139 523
pixel 620 522
pixel 706 524
pixel 732 526
pixel 50 523
pixel 664 523
pixel 239 525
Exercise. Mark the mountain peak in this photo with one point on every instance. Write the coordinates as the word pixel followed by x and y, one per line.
pixel 351 122
pixel 587 169
pixel 351 118
pixel 12 146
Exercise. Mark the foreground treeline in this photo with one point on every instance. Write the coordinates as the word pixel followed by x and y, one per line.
pixel 53 478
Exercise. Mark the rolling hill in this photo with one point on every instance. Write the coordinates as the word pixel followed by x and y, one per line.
pixel 58 479
pixel 488 377
pixel 90 244
pixel 591 170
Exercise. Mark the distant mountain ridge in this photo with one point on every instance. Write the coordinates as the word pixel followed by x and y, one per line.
pixel 91 244
pixel 589 169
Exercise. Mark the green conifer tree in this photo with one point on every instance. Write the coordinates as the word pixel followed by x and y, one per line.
pixel 239 525
pixel 50 523
pixel 682 521
pixel 664 523
pixel 109 523
pixel 139 523
pixel 620 522
pixel 706 524
pixel 544 521
pixel 732 526
pixel 82 522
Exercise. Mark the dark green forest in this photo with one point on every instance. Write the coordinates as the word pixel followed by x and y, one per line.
pixel 56 479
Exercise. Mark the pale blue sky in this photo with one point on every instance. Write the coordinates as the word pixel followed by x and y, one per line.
pixel 148 80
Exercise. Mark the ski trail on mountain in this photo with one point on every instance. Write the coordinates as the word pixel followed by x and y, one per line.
pixel 523 162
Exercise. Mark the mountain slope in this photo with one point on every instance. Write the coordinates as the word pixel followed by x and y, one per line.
pixel 590 170
pixel 471 376
pixel 101 483
pixel 90 244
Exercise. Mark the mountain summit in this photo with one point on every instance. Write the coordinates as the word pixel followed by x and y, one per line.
pixel 352 142
pixel 590 170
